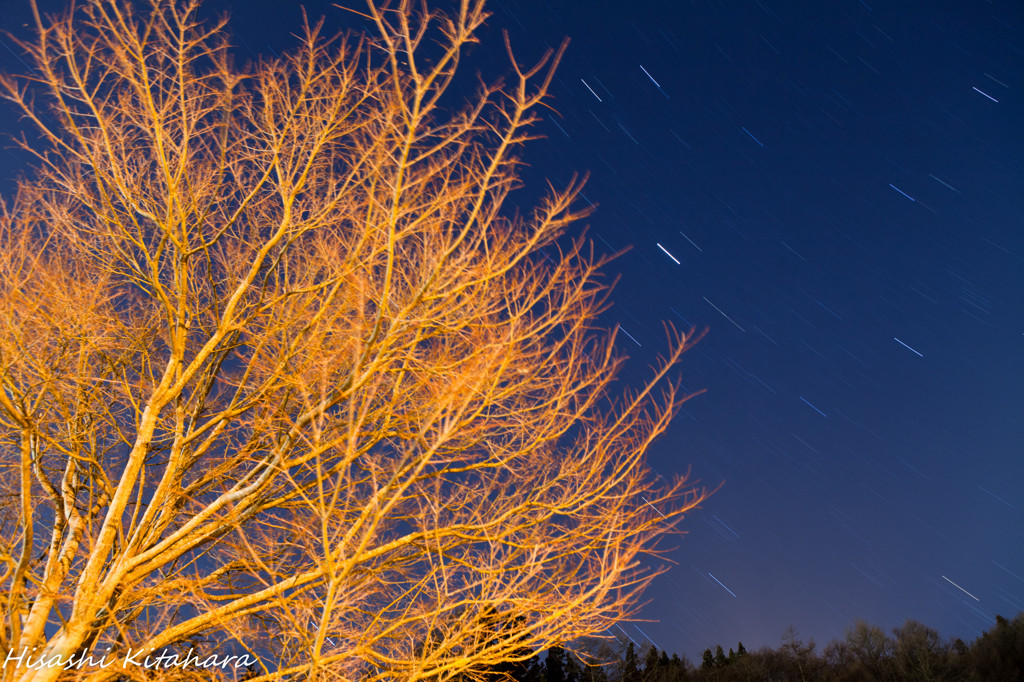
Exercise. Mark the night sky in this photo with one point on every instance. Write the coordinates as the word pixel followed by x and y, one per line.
pixel 835 189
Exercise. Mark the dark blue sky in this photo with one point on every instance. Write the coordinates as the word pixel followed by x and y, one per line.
pixel 833 187
pixel 836 189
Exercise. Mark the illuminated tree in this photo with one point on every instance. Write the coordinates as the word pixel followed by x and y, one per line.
pixel 278 370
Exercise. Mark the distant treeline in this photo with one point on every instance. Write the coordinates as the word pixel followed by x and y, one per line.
pixel 912 653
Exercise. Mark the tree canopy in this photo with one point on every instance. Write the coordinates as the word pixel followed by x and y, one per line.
pixel 280 371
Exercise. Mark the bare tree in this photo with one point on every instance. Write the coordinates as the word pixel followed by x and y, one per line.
pixel 278 371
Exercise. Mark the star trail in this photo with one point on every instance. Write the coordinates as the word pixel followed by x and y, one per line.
pixel 854 178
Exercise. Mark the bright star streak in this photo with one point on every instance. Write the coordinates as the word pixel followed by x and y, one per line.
pixel 954 585
pixel 591 90
pixel 669 254
pixel 656 509
pixel 902 192
pixel 815 409
pixel 627 634
pixel 720 583
pixel 630 336
pixel 989 96
pixel 652 80
pixel 905 346
pixel 645 635
pixel 752 137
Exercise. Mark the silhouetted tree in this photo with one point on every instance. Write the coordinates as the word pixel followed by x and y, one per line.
pixel 915 653
pixel 534 671
pixel 651 673
pixel 678 669
pixel 630 668
pixel 554 665
pixel 872 649
pixel 920 654
pixel 840 661
pixel 801 654
pixel 597 657
pixel 998 655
